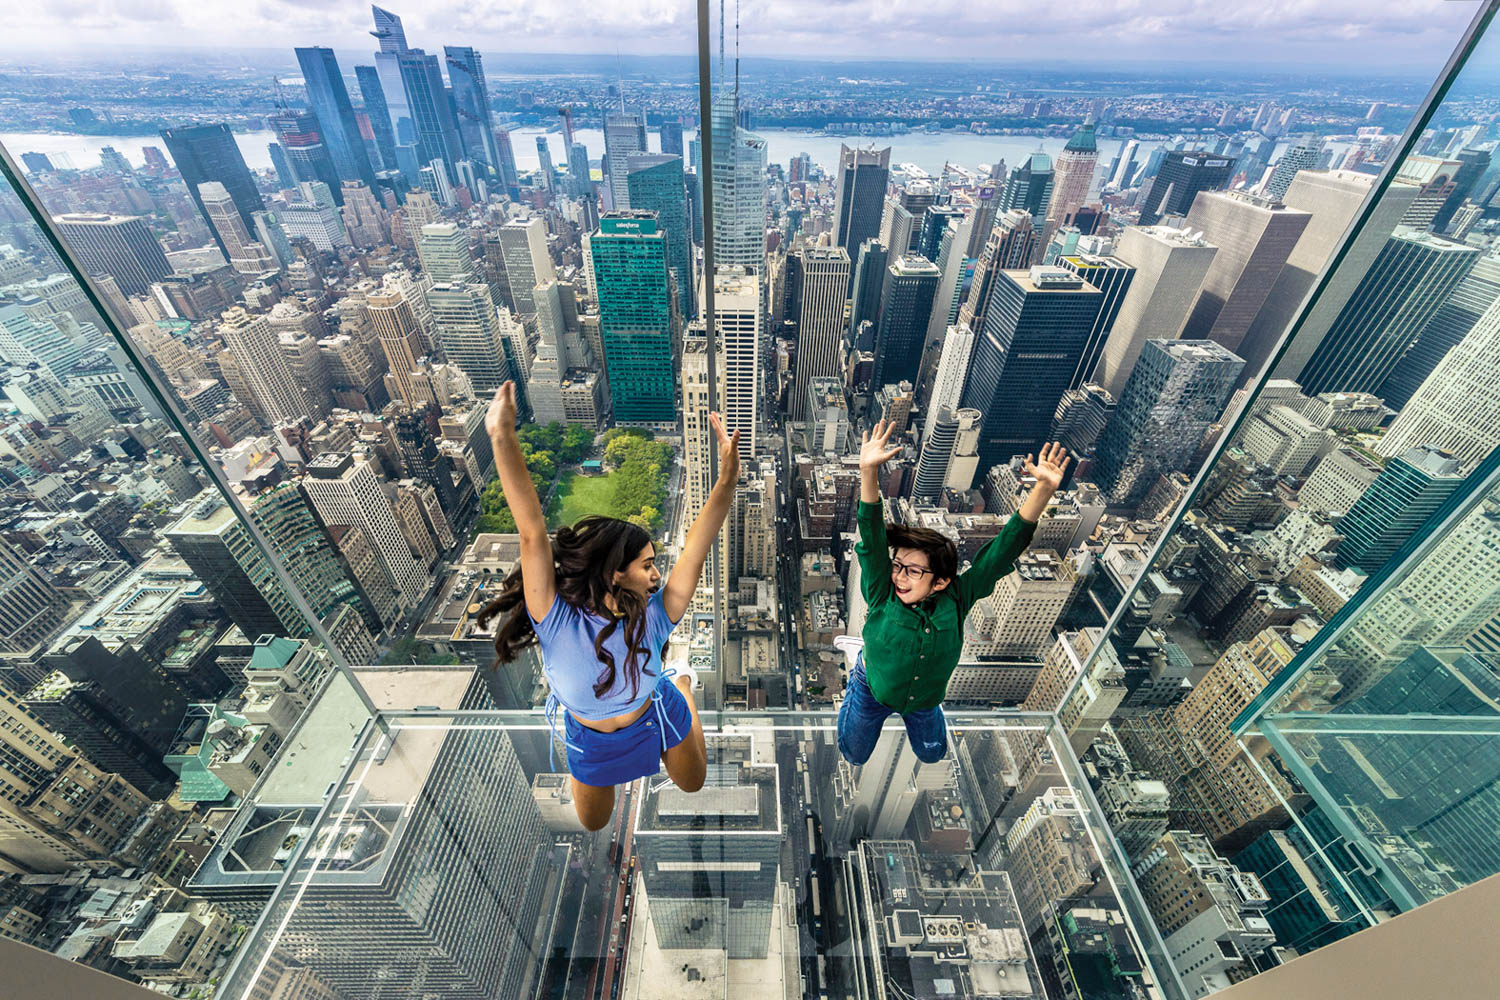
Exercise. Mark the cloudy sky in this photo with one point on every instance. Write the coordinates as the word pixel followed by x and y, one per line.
pixel 1318 34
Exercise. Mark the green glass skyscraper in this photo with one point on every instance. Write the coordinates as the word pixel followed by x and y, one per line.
pixel 657 184
pixel 629 258
pixel 1397 503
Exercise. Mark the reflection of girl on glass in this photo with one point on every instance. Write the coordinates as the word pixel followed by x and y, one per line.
pixel 918 600
pixel 594 601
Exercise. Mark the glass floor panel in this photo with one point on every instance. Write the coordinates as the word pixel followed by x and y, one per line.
pixel 446 860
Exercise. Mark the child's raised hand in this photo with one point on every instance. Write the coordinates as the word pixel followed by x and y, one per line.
pixel 502 413
pixel 729 449
pixel 1049 467
pixel 873 452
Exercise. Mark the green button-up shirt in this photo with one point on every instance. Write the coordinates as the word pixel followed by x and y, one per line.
pixel 911 650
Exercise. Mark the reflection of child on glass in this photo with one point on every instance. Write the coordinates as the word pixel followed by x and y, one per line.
pixel 917 604
pixel 595 603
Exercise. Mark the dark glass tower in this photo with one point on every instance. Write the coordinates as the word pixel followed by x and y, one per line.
pixel 868 282
pixel 471 103
pixel 630 254
pixel 1029 188
pixel 330 102
pixel 431 113
pixel 1112 276
pixel 656 184
pixel 208 153
pixel 1181 177
pixel 307 156
pixel 373 95
pixel 860 198
pixel 1398 502
pixel 901 330
pixel 1036 329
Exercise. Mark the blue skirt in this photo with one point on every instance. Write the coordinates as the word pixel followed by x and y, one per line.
pixel 607 759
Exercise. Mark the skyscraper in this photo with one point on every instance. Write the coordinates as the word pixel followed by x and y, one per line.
pixel 373 95
pixel 656 184
pixel 468 328
pixel 624 135
pixel 937 451
pixel 901 329
pixel 1112 276
pixel 471 104
pixel 243 252
pixel 435 128
pixel 952 371
pixel 1029 188
pixel 523 246
pixel 392 38
pixel 544 169
pixel 209 153
pixel 820 320
pixel 1177 388
pixel 1410 278
pixel 264 367
pixel 739 189
pixel 444 251
pixel 671 138
pixel 628 257
pixel 395 324
pixel 1035 330
pixel 1408 490
pixel 507 167
pixel 1453 321
pixel 1255 237
pixel 1170 265
pixel 1457 407
pixel 1300 155
pixel 330 102
pixel 868 284
pixel 737 315
pixel 1011 245
pixel 344 489
pixel 1073 174
pixel 860 196
pixel 1181 176
pixel 121 246
pixel 307 156
pixel 32 610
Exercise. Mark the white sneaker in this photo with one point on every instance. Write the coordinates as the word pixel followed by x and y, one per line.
pixel 851 646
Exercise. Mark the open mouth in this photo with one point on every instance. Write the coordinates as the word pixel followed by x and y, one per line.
pixel 902 589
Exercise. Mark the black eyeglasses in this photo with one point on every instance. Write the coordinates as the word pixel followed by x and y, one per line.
pixel 915 572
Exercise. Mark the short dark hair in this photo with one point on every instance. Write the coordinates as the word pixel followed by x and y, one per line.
pixel 942 554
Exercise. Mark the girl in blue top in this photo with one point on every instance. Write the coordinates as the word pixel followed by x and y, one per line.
pixel 594 602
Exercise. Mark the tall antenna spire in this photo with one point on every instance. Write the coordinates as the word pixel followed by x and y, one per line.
pixel 620 73
pixel 721 43
pixel 736 57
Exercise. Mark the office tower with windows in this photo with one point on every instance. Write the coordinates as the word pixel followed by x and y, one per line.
pixel 277 398
pixel 710 863
pixel 1029 189
pixel 344 489
pixel 739 193
pixel 1073 174
pixel 1398 295
pixel 656 184
pixel 1473 165
pixel 1182 175
pixel 624 135
pixel 1010 246
pixel 952 372
pixel 901 329
pixel 580 176
pixel 508 174
pixel 435 128
pixel 1410 488
pixel 444 251
pixel 245 254
pixel 307 155
pixel 1177 389
pixel 820 320
pixel 949 455
pixel 1123 169
pixel 1211 914
pixel 1255 237
pixel 209 153
pixel 628 257
pixel 1453 321
pixel 1435 178
pixel 868 284
pixel 468 329
pixel 859 199
pixel 1300 155
pixel 32 610
pixel 121 246
pixel 330 102
pixel 737 315
pixel 1113 277
pixel 1170 265
pixel 373 95
pixel 471 104
pixel 545 173
pixel 1035 330
pixel 523 246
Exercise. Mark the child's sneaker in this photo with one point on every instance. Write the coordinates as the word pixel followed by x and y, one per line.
pixel 851 646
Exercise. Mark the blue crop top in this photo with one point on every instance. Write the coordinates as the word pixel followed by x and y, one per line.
pixel 566 634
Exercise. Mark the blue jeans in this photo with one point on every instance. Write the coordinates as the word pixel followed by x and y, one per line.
pixel 861 716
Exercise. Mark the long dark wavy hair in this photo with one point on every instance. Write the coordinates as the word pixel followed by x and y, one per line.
pixel 585 559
